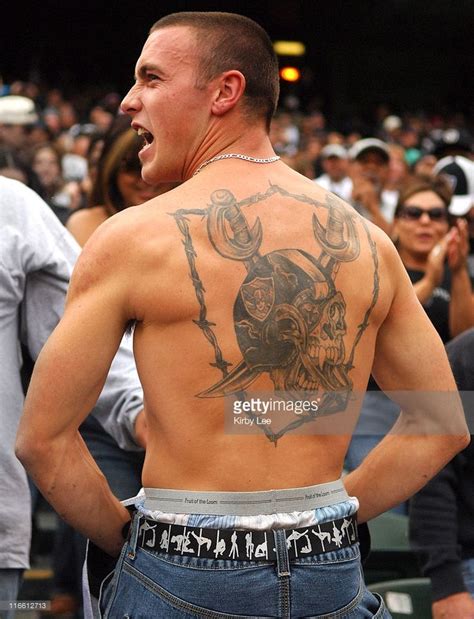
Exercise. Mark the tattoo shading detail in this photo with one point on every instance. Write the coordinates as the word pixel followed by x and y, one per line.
pixel 289 317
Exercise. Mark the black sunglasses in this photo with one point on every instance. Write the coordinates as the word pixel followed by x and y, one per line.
pixel 437 213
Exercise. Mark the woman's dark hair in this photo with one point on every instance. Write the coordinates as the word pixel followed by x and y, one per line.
pixel 439 186
pixel 120 152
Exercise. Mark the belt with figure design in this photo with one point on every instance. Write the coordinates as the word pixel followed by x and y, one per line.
pixel 245 545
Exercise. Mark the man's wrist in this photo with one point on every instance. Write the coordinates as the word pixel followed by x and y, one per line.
pixel 126 527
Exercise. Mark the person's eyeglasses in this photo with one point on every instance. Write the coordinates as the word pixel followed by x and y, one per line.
pixel 436 213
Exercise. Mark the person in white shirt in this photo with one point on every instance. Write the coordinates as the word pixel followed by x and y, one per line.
pixel 369 169
pixel 334 160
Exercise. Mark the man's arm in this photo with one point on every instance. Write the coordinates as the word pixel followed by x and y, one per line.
pixel 431 429
pixel 50 255
pixel 69 375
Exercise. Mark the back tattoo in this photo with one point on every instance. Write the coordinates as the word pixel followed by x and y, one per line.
pixel 289 316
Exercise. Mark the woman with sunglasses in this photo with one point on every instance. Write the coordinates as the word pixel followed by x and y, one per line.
pixel 435 256
pixel 434 253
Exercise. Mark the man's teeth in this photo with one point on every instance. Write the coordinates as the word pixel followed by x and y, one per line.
pixel 148 137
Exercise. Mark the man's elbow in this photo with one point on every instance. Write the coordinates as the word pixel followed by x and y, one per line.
pixel 464 441
pixel 28 449
pixel 454 444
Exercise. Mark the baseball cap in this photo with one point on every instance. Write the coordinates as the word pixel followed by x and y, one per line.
pixel 449 139
pixel 391 123
pixel 369 144
pixel 17 110
pixel 334 150
pixel 459 171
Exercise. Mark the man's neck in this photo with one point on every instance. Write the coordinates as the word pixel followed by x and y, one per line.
pixel 250 140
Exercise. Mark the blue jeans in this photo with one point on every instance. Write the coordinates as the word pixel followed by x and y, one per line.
pixel 151 585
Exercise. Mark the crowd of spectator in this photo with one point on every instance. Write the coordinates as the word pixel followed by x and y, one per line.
pixel 52 143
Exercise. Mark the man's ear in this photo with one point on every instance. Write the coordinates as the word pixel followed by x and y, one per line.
pixel 229 90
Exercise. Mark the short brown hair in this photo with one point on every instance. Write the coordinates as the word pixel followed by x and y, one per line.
pixel 229 41
pixel 420 183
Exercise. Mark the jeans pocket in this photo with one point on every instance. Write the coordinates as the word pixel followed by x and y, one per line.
pixel 142 597
pixel 365 605
pixel 382 612
pixel 104 593
pixel 371 606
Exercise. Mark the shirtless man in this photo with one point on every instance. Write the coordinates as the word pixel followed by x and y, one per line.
pixel 247 279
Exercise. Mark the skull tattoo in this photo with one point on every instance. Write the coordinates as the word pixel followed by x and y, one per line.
pixel 289 317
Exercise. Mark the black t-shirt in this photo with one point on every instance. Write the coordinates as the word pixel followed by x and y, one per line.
pixel 437 306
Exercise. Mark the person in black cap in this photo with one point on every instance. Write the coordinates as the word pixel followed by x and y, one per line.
pixel 452 142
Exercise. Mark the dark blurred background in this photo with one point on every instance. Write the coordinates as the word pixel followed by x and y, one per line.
pixel 406 54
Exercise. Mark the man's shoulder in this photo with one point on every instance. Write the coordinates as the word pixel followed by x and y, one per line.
pixel 125 238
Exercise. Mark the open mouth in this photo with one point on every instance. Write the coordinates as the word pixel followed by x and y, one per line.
pixel 146 135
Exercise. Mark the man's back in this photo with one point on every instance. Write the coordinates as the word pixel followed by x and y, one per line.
pixel 249 289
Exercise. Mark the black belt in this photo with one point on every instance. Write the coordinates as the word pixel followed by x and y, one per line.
pixel 245 545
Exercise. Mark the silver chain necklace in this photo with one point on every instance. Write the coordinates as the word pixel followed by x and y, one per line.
pixel 236 156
